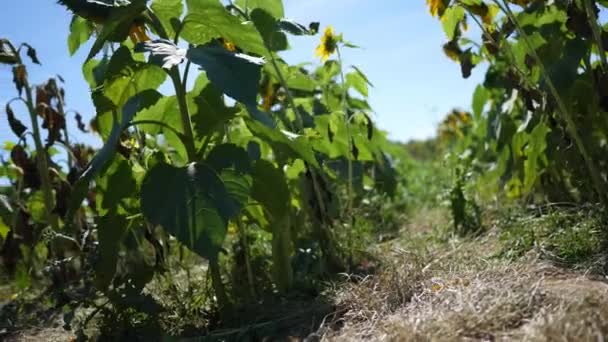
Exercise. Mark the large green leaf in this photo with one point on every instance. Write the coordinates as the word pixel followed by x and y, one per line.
pixel 167 12
pixel 110 230
pixel 268 27
pixel 237 75
pixel 126 77
pixel 192 203
pixel 208 19
pixel 272 7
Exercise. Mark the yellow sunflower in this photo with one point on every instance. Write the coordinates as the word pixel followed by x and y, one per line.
pixel 436 7
pixel 329 44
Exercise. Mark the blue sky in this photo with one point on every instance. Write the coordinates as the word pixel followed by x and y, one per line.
pixel 415 84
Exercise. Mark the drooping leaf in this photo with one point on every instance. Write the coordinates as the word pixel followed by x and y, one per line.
pixel 31 53
pixel 356 81
pixel 267 25
pixel 7 55
pixel 191 203
pixel 292 27
pixel 237 75
pixel 80 32
pixel 16 126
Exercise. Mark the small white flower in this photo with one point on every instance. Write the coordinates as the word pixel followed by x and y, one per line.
pixel 171 54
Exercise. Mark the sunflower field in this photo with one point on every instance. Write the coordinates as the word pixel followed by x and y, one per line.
pixel 231 184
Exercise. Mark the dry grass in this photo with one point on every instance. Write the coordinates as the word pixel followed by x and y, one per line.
pixel 459 290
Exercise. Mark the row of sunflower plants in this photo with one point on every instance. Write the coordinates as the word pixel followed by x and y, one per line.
pixel 237 141
pixel 36 178
pixel 539 119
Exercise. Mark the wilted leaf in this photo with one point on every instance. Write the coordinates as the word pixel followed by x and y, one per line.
pixel 16 126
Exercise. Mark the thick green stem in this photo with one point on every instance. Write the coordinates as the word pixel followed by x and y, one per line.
pixel 245 247
pixel 281 260
pixel 349 160
pixel 562 109
pixel 184 114
pixel 218 286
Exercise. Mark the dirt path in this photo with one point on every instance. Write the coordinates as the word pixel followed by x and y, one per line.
pixel 460 290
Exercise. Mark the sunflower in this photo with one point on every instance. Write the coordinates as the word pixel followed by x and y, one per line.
pixel 329 44
pixel 436 7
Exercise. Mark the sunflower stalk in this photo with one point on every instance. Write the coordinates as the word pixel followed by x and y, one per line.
pixel 562 109
pixel 349 194
pixel 597 35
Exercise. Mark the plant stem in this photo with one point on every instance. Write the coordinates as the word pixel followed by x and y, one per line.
pixel 41 160
pixel 180 93
pixel 597 35
pixel 218 286
pixel 290 99
pixel 244 246
pixel 567 117
pixel 349 156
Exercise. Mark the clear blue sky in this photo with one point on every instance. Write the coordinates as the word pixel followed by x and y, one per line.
pixel 415 84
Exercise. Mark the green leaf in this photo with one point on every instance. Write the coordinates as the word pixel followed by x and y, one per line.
pixel 106 153
pixel 292 145
pixel 110 230
pixel 535 151
pixel 268 28
pixel 4 229
pixel 480 98
pixel 272 7
pixel 80 32
pixel 265 177
pixel 237 75
pixel 119 22
pixel 450 20
pixel 168 11
pixel 294 28
pixel 192 203
pixel 211 113
pixel 118 184
pixel 36 207
pixel 356 81
pixel 229 156
pixel 126 77
pixel 208 19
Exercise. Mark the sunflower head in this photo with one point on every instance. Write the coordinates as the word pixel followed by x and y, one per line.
pixel 328 45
